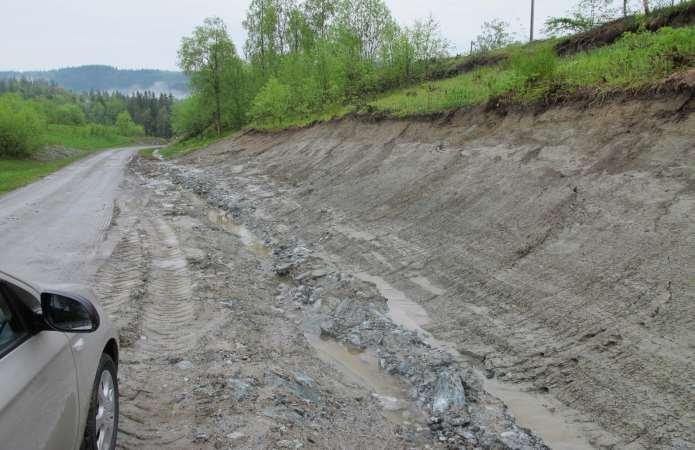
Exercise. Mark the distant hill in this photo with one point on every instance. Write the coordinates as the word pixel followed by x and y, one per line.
pixel 106 78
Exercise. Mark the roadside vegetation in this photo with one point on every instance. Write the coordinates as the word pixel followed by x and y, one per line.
pixel 44 127
pixel 311 61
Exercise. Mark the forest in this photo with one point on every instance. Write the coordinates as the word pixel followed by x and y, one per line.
pixel 33 113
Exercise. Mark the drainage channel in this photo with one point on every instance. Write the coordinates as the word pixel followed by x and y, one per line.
pixel 554 427
pixel 246 236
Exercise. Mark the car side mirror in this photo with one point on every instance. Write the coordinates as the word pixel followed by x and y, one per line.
pixel 69 313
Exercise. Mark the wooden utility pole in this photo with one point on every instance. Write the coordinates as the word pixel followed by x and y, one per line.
pixel 625 8
pixel 533 16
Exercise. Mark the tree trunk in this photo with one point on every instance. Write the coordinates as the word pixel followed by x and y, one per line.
pixel 625 8
pixel 646 6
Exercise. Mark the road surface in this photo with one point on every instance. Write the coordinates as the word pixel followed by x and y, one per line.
pixel 50 230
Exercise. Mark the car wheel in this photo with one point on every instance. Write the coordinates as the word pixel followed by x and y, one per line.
pixel 102 421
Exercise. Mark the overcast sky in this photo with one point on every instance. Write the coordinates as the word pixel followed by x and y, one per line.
pixel 47 34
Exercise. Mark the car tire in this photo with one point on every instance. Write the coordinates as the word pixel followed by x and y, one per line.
pixel 103 409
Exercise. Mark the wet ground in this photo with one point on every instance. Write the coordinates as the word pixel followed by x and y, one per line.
pixel 239 333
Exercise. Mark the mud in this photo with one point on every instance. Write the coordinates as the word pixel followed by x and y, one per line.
pixel 398 285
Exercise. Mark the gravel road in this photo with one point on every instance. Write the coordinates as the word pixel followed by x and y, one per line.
pixel 51 230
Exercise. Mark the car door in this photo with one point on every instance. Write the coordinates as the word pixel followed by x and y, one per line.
pixel 38 385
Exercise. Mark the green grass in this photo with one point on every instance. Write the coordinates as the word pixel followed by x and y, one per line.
pixel 334 111
pixel 184 147
pixel 88 138
pixel 17 173
pixel 85 137
pixel 633 61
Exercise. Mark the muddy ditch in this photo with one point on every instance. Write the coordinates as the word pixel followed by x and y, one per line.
pixel 372 333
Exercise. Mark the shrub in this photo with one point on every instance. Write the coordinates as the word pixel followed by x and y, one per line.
pixel 126 126
pixel 272 104
pixel 191 116
pixel 21 127
pixel 537 65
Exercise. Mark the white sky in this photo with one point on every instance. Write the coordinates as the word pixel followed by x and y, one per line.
pixel 47 34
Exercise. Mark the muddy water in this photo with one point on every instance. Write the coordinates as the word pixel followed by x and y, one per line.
pixel 362 368
pixel 246 236
pixel 553 426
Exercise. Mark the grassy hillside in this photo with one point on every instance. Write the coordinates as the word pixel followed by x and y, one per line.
pixel 533 72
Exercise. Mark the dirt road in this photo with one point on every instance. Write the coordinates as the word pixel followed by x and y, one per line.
pixel 53 229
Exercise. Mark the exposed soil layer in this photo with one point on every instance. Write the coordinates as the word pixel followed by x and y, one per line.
pixel 555 250
pixel 679 16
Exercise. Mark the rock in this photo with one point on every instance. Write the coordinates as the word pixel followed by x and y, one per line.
pixel 517 440
pixel 240 389
pixel 299 384
pixel 184 365
pixel 236 435
pixel 284 269
pixel 448 391
pixel 201 437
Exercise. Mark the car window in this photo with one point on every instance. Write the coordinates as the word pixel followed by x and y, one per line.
pixel 11 330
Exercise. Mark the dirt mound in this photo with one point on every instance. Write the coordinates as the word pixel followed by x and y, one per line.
pixel 468 64
pixel 677 16
pixel 556 249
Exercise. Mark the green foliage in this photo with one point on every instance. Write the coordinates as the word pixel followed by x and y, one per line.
pixel 586 15
pixel 533 72
pixel 58 106
pixel 191 116
pixel 21 127
pixel 272 104
pixel 633 60
pixel 126 126
pixel 217 75
pixel 494 34
pixel 535 64
pixel 85 137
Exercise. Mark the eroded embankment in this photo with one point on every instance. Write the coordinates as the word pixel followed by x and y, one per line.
pixel 556 250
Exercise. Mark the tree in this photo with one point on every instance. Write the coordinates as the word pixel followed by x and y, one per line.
pixel 586 15
pixel 208 57
pixel 494 34
pixel 126 126
pixel 368 20
pixel 21 127
pixel 646 6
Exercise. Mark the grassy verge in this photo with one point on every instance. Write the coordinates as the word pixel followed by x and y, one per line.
pixel 86 138
pixel 533 73
pixel 184 147
pixel 17 173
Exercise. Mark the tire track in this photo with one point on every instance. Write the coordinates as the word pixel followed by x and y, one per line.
pixel 168 312
pixel 120 284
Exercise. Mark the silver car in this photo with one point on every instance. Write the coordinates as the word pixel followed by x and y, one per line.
pixel 58 367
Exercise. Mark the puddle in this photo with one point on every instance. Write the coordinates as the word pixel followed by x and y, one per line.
pixel 427 285
pixel 405 312
pixel 362 368
pixel 554 427
pixel 246 236
pixel 530 412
